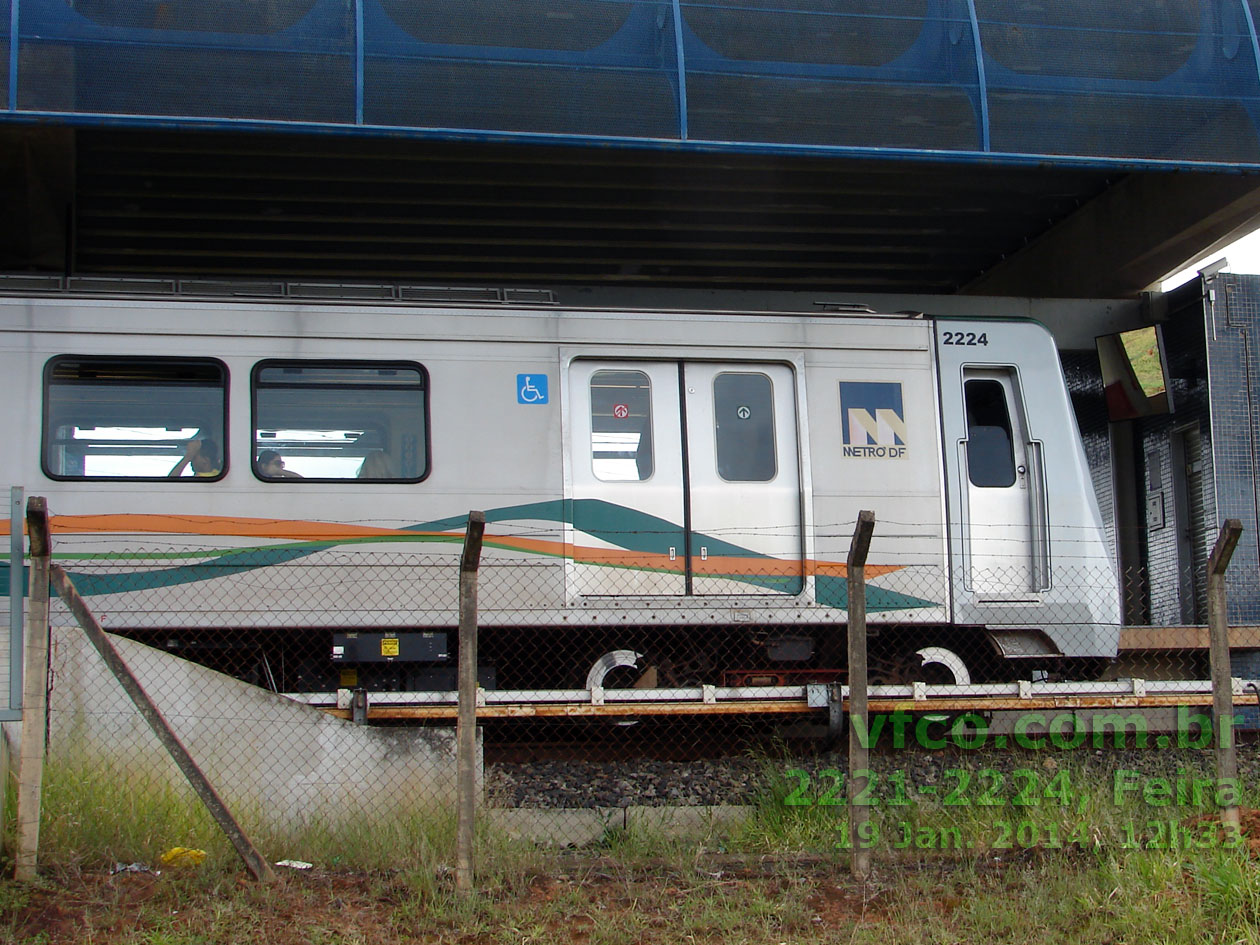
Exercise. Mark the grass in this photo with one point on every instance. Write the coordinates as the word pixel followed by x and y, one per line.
pixel 1060 871
pixel 97 813
pixel 1136 896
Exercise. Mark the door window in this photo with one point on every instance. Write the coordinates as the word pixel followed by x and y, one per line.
pixel 990 455
pixel 621 426
pixel 743 418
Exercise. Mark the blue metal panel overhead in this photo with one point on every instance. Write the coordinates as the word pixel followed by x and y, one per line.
pixel 1140 83
pixel 9 63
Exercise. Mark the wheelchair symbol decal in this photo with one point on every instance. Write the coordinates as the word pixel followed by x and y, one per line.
pixel 531 389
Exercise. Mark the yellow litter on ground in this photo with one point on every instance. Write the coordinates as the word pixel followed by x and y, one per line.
pixel 183 856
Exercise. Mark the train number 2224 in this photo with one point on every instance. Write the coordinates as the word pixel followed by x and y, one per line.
pixel 964 338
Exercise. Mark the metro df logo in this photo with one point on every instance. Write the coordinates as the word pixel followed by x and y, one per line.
pixel 872 419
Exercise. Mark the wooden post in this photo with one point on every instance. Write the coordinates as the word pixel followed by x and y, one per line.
pixel 1218 643
pixel 859 723
pixel 34 694
pixel 466 722
pixel 254 861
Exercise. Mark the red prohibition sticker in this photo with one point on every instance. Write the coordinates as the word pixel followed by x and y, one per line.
pixel 621 411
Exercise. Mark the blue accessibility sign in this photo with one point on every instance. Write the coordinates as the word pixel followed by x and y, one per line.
pixel 531 389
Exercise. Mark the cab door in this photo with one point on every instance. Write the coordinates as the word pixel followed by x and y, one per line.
pixel 1002 470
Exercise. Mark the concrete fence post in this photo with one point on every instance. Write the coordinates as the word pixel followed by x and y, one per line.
pixel 17 597
pixel 34 694
pixel 859 749
pixel 1222 682
pixel 466 721
pixel 17 550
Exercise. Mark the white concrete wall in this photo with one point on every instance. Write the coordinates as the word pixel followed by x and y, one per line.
pixel 268 757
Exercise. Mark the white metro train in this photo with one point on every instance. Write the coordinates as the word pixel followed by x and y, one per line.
pixel 669 495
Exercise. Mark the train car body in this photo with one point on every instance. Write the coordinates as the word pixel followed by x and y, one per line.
pixel 694 472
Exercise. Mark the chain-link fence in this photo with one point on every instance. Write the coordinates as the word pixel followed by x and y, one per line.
pixel 314 684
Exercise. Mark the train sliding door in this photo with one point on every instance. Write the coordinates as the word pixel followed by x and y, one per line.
pixel 744 486
pixel 626 479
pixel 684 479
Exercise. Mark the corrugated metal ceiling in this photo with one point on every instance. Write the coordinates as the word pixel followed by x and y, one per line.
pixel 293 206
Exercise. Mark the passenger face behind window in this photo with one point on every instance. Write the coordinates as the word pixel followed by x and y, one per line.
pixel 206 460
pixel 270 465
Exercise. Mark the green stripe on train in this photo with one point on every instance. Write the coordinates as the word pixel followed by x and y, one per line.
pixel 624 528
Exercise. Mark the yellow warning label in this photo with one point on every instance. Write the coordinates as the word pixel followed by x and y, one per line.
pixel 349 678
pixel 389 646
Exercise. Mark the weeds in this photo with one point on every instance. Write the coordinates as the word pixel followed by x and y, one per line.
pixel 1136 896
pixel 1057 865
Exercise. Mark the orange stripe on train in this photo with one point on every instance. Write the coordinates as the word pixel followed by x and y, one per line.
pixel 139 523
pixel 270 528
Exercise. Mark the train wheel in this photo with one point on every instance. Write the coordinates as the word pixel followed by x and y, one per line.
pixel 937 665
pixel 620 669
pixel 632 669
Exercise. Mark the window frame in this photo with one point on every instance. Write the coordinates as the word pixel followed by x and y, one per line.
pixel 351 363
pixel 45 418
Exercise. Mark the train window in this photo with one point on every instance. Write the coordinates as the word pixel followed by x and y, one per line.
pixel 621 426
pixel 134 418
pixel 338 420
pixel 990 455
pixel 743 415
